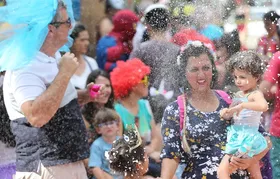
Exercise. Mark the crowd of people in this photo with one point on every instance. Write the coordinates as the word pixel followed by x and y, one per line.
pixel 157 101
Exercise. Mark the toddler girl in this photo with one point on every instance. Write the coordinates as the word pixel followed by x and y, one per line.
pixel 243 138
pixel 127 155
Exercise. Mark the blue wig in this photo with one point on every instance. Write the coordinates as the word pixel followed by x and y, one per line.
pixel 28 22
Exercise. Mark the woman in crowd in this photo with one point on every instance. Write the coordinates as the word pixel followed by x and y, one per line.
pixel 203 133
pixel 98 77
pixel 130 83
pixel 227 46
pixel 80 47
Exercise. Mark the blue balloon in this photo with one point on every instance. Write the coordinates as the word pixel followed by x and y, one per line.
pixel 212 32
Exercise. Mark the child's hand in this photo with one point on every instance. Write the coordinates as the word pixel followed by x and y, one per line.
pixel 224 114
pixel 235 110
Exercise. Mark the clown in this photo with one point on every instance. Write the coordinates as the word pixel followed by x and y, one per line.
pixel 130 84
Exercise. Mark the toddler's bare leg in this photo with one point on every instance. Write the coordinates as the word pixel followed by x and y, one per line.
pixel 224 168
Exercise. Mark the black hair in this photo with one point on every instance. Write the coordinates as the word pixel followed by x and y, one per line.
pixel 76 31
pixel 5 130
pixel 145 36
pixel 248 61
pixel 126 153
pixel 183 58
pixel 105 115
pixel 108 7
pixel 271 16
pixel 158 19
pixel 89 110
pixel 230 41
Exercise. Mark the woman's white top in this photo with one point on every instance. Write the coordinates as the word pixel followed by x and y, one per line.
pixel 80 81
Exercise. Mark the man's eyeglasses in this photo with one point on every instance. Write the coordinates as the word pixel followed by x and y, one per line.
pixel 145 80
pixel 57 24
pixel 109 123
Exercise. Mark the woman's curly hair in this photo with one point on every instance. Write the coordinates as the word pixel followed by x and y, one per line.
pixel 248 61
pixel 126 153
pixel 127 75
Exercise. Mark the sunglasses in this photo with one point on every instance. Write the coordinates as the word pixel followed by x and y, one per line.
pixel 109 123
pixel 67 22
pixel 145 80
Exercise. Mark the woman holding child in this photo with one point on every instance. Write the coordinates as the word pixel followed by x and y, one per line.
pixel 195 134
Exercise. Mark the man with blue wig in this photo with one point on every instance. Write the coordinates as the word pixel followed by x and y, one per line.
pixel 41 102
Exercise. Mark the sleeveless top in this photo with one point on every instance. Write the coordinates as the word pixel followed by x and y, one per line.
pixel 246 116
pixel 142 119
pixel 80 81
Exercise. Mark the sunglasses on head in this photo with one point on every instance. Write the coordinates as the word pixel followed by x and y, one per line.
pixel 57 24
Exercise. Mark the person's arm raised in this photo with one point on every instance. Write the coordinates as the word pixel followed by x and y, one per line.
pixel 40 111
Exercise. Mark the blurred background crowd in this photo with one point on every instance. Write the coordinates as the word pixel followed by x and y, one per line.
pixel 108 32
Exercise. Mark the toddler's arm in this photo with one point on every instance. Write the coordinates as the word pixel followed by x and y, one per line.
pixel 224 114
pixel 256 102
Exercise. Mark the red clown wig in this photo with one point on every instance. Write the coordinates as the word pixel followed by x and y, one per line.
pixel 127 75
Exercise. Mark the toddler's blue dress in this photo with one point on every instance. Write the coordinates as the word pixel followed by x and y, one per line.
pixel 243 135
